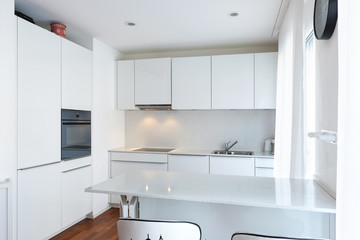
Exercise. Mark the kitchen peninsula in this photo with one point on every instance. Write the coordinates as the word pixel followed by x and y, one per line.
pixel 240 203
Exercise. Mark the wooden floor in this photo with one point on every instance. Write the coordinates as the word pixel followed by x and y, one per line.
pixel 103 227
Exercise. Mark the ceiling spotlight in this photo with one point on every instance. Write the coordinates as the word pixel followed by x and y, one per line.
pixel 128 23
pixel 234 14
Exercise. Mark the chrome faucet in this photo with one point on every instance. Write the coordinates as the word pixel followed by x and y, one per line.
pixel 227 147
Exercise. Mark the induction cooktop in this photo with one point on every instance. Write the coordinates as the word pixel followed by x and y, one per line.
pixel 154 149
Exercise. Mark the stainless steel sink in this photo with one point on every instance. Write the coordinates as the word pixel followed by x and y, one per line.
pixel 222 152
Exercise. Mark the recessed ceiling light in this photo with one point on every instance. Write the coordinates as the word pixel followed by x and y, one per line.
pixel 128 23
pixel 234 14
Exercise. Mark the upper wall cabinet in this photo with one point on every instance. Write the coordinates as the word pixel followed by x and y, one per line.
pixel 125 84
pixel 153 81
pixel 265 80
pixel 233 81
pixel 76 76
pixel 191 83
pixel 39 95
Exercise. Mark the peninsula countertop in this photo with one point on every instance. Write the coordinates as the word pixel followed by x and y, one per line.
pixel 295 194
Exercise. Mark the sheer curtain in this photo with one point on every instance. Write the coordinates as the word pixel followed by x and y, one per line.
pixel 289 130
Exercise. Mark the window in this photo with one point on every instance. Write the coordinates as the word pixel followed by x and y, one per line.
pixel 309 106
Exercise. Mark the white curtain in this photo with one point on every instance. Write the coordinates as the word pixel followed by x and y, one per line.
pixel 289 130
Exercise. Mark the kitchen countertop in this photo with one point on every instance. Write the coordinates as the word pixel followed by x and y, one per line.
pixel 199 152
pixel 294 194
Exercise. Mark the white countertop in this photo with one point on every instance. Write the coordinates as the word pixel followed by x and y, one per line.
pixel 281 193
pixel 200 152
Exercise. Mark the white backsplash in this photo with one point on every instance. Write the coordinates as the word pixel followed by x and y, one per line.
pixel 199 129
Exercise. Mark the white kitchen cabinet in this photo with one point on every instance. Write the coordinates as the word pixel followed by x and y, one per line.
pixel 39 95
pixel 233 81
pixel 153 81
pixel 76 203
pixel 264 167
pixel 121 162
pixel 191 83
pixel 265 80
pixel 39 202
pixel 232 166
pixel 188 163
pixel 76 76
pixel 264 172
pixel 125 84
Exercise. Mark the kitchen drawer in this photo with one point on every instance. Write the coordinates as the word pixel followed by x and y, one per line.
pixel 138 157
pixel 188 163
pixel 264 162
pixel 264 172
pixel 240 166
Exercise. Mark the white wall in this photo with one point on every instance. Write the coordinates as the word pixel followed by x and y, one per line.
pixel 348 191
pixel 108 123
pixel 199 129
pixel 8 92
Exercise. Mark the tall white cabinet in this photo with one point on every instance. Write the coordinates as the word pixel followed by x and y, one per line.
pixel 153 81
pixel 52 73
pixel 39 105
pixel 265 80
pixel 76 65
pixel 233 81
pixel 39 95
pixel 191 83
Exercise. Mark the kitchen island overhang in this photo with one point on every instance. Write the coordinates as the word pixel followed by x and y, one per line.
pixel 281 193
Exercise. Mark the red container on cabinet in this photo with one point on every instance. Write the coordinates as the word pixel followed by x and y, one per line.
pixel 58 29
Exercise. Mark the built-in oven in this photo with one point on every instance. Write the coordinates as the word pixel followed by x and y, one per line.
pixel 75 134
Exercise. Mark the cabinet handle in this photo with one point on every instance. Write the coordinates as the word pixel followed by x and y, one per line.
pixel 42 165
pixel 73 169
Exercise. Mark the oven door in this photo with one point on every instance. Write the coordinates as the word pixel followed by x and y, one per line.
pixel 75 139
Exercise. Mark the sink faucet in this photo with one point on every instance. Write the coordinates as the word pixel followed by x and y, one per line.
pixel 227 147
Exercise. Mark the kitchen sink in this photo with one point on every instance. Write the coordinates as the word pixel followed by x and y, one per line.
pixel 222 152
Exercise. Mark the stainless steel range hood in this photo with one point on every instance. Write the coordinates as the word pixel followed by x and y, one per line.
pixel 162 107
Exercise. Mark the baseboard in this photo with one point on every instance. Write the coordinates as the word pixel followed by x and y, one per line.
pixel 114 205
pixel 92 215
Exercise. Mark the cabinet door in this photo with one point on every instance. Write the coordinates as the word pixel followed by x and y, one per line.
pixel 191 83
pixel 232 166
pixel 153 81
pixel 188 163
pixel 39 95
pixel 233 81
pixel 125 84
pixel 264 172
pixel 39 202
pixel 265 80
pixel 76 203
pixel 76 76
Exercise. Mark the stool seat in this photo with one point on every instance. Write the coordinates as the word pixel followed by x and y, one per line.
pixel 132 228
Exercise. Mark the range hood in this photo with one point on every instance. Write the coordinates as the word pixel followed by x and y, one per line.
pixel 163 107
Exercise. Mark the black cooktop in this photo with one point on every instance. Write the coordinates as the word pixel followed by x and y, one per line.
pixel 154 149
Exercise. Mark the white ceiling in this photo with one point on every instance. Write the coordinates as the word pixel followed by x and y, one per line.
pixel 164 25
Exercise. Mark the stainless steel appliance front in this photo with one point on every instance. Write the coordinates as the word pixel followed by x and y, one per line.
pixel 75 134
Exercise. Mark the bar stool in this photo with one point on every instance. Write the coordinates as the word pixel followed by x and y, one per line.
pixel 250 236
pixel 132 228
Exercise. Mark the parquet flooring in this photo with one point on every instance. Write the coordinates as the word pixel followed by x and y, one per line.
pixel 103 227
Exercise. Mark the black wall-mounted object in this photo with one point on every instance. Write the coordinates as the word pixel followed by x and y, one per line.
pixel 325 18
